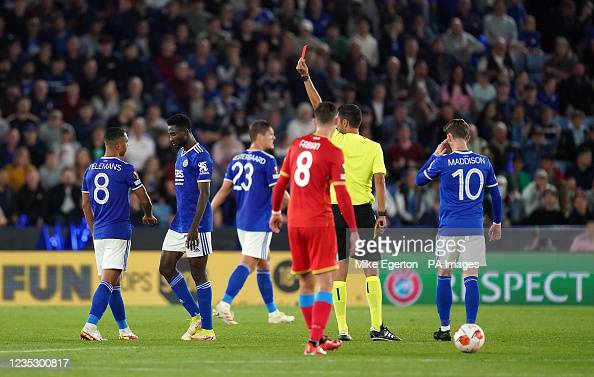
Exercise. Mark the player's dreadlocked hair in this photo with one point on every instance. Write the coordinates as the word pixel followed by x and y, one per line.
pixel 325 112
pixel 458 128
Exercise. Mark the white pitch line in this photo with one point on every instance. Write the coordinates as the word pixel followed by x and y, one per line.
pixel 50 350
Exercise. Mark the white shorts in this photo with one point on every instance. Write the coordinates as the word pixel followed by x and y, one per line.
pixel 111 254
pixel 461 251
pixel 254 244
pixel 175 241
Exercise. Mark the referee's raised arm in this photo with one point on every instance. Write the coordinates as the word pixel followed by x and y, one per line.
pixel 312 93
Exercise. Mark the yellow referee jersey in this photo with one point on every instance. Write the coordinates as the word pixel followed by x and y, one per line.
pixel 362 159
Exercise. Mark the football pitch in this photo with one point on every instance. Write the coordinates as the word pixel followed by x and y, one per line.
pixel 520 341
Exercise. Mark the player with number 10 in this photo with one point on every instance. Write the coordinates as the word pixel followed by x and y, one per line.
pixel 464 176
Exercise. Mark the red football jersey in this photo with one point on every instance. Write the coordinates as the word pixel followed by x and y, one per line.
pixel 312 163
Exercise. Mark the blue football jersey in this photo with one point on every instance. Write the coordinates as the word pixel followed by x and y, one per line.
pixel 463 175
pixel 108 182
pixel 191 167
pixel 254 174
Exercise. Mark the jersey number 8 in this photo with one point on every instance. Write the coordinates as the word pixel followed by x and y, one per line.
pixel 464 184
pixel 304 162
pixel 101 188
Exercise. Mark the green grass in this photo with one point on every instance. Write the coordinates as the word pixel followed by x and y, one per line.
pixel 520 341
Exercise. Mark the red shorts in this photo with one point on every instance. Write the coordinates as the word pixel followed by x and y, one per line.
pixel 313 249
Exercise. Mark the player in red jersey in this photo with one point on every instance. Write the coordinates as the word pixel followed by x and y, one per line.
pixel 311 165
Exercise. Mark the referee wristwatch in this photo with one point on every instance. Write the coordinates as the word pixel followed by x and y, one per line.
pixel 305 78
pixel 381 213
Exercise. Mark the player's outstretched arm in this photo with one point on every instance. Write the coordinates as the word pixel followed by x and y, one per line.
pixel 221 195
pixel 192 238
pixel 86 207
pixel 495 230
pixel 312 93
pixel 146 204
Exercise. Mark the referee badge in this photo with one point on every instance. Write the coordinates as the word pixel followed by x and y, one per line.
pixel 185 163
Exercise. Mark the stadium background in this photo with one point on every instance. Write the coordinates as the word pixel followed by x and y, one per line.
pixel 69 69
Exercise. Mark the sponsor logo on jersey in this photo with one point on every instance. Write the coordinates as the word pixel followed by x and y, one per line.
pixel 202 168
pixel 179 177
pixel 403 287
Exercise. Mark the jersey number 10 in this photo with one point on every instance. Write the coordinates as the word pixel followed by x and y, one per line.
pixel 464 183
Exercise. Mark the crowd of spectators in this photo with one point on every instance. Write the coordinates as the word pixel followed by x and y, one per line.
pixel 69 69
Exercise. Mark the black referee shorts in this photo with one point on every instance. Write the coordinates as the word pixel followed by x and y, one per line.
pixel 365 219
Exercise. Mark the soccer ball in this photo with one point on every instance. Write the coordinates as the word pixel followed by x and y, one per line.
pixel 469 338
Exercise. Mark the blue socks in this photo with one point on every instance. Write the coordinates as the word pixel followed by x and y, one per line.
pixel 116 303
pixel 100 302
pixel 324 297
pixel 444 299
pixel 236 281
pixel 179 286
pixel 265 285
pixel 205 304
pixel 471 298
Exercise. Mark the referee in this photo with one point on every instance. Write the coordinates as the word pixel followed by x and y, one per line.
pixel 363 160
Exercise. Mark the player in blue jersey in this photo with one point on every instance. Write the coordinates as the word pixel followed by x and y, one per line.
pixel 106 190
pixel 190 231
pixel 251 175
pixel 464 176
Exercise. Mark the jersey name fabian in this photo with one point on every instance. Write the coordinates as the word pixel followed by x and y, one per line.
pixel 253 175
pixel 191 167
pixel 108 182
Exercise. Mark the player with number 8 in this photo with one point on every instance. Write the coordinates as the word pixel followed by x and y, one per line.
pixel 106 205
pixel 312 164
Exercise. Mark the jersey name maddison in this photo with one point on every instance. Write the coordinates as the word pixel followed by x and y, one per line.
pixel 253 174
pixel 108 182
pixel 191 167
pixel 464 175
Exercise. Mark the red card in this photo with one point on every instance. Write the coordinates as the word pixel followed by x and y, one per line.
pixel 303 52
